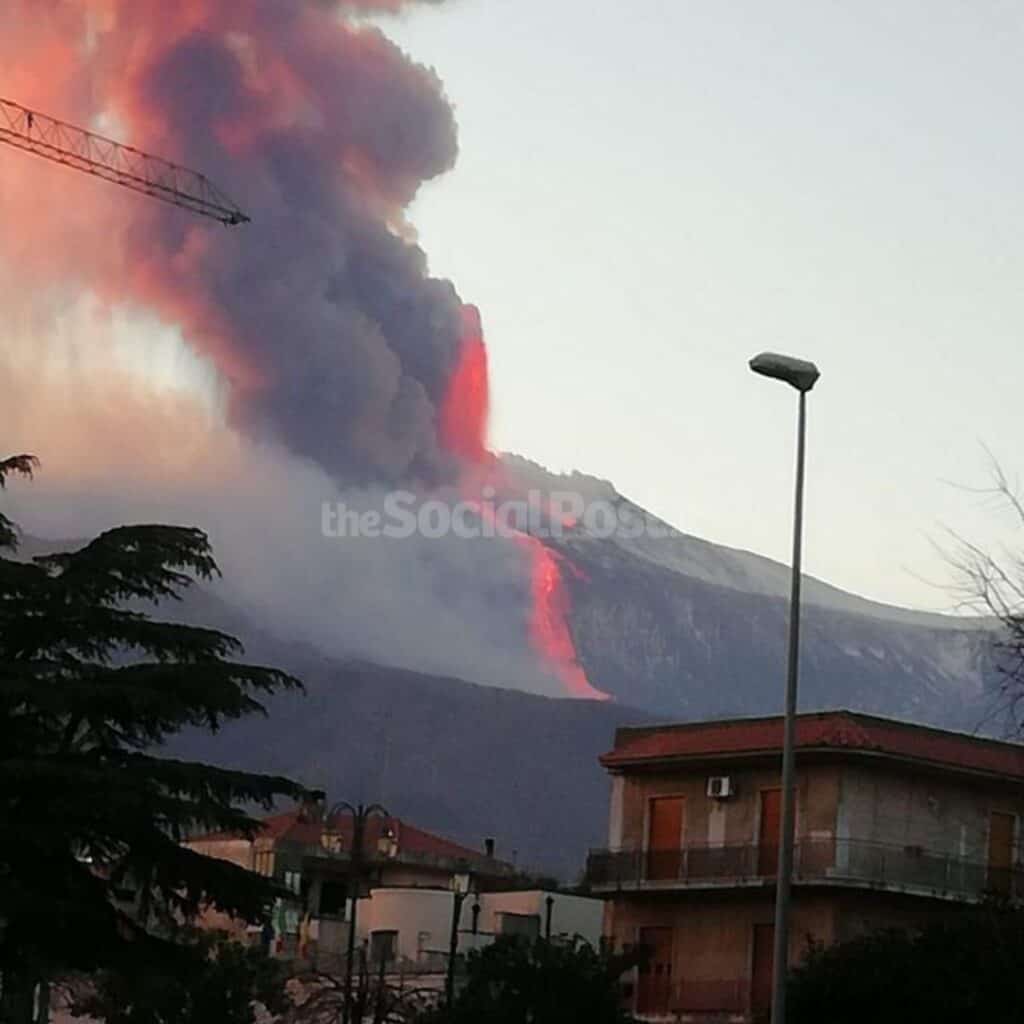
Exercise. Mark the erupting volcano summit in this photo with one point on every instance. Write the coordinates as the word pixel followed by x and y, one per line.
pixel 324 328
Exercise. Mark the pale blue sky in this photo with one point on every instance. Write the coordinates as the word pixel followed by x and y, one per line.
pixel 646 199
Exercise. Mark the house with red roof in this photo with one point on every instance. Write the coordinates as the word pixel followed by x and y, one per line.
pixel 309 851
pixel 896 823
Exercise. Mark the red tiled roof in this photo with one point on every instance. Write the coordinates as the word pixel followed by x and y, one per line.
pixel 291 826
pixel 821 731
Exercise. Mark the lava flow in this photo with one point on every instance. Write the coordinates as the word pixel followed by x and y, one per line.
pixel 549 628
pixel 463 416
pixel 463 431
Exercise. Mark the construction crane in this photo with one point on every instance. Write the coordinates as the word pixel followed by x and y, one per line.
pixel 104 158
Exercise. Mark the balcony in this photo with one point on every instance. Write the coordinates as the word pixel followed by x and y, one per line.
pixel 844 862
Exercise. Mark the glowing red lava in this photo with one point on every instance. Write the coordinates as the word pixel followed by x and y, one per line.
pixel 462 428
pixel 463 420
pixel 549 628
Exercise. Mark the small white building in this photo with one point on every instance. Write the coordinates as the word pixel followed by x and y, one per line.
pixel 413 926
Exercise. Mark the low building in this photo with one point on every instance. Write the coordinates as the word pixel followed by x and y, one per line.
pixel 310 854
pixel 411 928
pixel 895 824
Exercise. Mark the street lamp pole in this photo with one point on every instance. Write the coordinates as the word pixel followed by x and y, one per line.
pixel 802 376
pixel 360 815
pixel 460 891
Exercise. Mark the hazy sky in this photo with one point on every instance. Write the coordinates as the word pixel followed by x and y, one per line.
pixel 646 199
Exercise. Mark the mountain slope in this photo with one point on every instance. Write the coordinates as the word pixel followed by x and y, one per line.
pixel 464 760
pixel 686 628
pixel 672 626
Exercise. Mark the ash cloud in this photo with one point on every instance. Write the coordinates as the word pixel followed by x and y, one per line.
pixel 320 314
pixel 329 344
pixel 116 450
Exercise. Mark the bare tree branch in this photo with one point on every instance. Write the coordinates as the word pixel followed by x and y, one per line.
pixel 992 583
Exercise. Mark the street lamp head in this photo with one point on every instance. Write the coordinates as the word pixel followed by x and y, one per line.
pixel 797 372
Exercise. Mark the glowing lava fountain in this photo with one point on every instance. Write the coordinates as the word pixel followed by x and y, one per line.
pixel 463 431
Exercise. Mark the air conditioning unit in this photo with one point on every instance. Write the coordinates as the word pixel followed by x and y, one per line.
pixel 720 787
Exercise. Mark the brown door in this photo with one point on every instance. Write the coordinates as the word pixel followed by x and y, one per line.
pixel 655 982
pixel 761 970
pixel 1000 850
pixel 768 836
pixel 665 837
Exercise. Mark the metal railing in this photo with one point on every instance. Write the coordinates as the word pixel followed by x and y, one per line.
pixel 840 861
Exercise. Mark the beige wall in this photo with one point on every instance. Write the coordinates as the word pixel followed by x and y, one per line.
pixel 731 821
pixel 882 802
pixel 423 917
pixel 712 933
pixel 904 807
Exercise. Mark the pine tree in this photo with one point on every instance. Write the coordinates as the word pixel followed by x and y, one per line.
pixel 226 984
pixel 92 871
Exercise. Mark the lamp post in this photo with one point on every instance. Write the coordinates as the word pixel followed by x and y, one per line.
pixel 460 890
pixel 801 375
pixel 360 815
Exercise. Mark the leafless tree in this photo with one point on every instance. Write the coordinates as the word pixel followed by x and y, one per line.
pixel 318 998
pixel 990 583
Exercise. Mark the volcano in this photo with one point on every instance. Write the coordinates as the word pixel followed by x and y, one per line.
pixel 673 627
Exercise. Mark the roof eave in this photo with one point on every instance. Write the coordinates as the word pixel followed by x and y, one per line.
pixel 617 765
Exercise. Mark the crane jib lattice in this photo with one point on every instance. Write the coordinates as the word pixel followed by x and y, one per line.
pixel 104 158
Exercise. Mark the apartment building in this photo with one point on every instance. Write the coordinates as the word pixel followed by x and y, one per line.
pixel 896 823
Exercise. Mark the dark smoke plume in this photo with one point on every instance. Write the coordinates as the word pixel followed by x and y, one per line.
pixel 321 314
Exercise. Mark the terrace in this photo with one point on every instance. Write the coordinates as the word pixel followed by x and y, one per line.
pixel 852 863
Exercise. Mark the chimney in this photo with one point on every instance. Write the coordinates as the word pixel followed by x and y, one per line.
pixel 489 847
pixel 311 805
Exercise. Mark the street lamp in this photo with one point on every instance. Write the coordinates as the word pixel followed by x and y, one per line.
pixel 460 886
pixel 360 815
pixel 802 375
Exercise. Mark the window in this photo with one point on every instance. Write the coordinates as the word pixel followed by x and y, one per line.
pixel 293 881
pixel 264 862
pixel 526 926
pixel 383 946
pixel 332 899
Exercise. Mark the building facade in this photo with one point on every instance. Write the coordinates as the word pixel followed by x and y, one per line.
pixel 896 823
pixel 311 855
pixel 411 928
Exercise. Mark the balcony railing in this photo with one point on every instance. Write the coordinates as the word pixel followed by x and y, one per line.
pixel 853 862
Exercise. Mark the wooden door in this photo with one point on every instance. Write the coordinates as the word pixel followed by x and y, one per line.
pixel 762 959
pixel 655 982
pixel 768 834
pixel 665 837
pixel 1001 828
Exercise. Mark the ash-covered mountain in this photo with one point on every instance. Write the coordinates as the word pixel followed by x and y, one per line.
pixel 673 627
pixel 685 628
